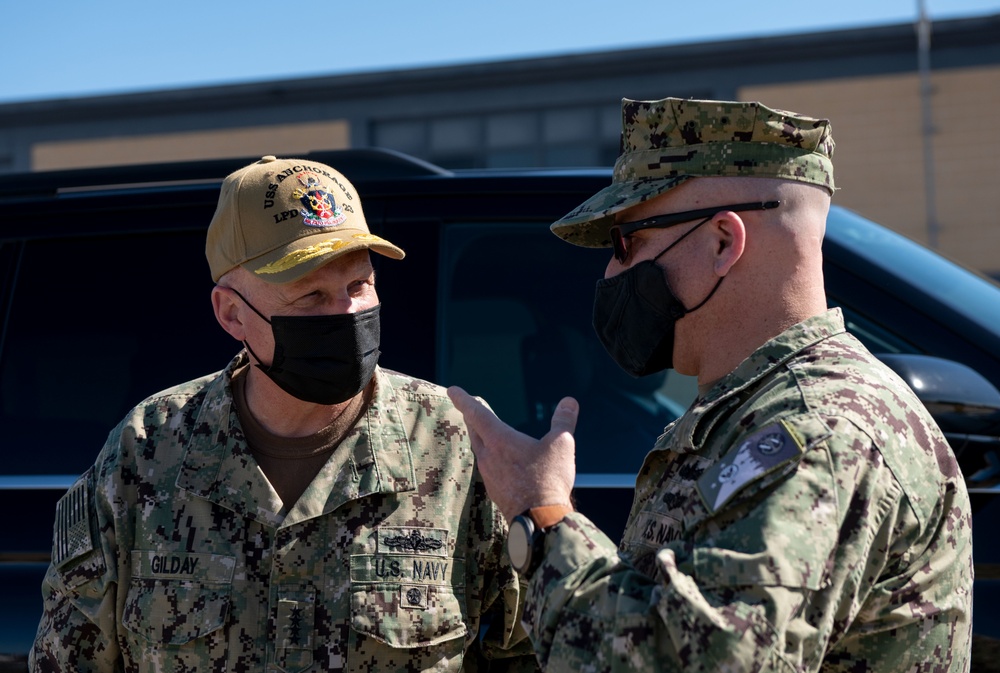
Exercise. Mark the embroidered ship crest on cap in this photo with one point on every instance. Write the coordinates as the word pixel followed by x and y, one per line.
pixel 319 209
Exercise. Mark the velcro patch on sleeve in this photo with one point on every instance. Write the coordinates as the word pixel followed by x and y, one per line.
pixel 762 452
pixel 72 537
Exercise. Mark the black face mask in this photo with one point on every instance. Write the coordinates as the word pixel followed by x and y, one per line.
pixel 635 313
pixel 324 359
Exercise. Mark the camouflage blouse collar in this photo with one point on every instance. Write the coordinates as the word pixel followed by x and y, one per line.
pixel 690 429
pixel 376 458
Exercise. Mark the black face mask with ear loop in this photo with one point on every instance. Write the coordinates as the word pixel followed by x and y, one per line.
pixel 324 359
pixel 635 314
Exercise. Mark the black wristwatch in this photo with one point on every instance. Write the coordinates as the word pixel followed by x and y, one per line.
pixel 526 537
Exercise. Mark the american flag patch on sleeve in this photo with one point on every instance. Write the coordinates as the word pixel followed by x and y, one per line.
pixel 72 537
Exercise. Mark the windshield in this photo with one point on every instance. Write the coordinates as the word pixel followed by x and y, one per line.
pixel 974 296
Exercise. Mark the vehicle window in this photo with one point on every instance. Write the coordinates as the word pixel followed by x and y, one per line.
pixel 516 306
pixel 875 338
pixel 95 325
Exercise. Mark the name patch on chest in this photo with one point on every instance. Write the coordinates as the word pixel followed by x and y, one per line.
pixel 173 565
pixel 408 555
pixel 399 568
pixel 762 452
pixel 167 564
pixel 654 530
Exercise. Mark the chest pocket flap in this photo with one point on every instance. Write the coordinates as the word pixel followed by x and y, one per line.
pixel 174 598
pixel 408 601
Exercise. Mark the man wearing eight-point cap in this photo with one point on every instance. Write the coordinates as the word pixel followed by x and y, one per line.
pixel 301 510
pixel 805 513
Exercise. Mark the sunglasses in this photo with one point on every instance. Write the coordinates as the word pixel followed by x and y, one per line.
pixel 621 232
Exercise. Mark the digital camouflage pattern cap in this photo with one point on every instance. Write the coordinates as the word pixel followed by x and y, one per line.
pixel 282 218
pixel 665 142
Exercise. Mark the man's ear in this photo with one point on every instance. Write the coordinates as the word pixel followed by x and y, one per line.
pixel 228 312
pixel 731 238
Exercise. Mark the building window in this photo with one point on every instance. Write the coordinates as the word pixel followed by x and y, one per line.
pixel 575 136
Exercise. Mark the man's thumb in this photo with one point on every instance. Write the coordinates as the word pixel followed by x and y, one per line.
pixel 565 415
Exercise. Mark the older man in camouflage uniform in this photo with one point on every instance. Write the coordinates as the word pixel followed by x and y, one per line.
pixel 805 513
pixel 303 509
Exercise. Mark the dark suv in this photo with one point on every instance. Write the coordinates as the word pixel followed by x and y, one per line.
pixel 104 300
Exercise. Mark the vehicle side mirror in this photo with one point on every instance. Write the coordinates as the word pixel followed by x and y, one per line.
pixel 965 405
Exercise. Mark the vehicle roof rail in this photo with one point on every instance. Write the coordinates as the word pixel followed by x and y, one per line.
pixel 360 164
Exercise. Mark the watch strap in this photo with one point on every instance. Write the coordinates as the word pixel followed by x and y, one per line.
pixel 546 516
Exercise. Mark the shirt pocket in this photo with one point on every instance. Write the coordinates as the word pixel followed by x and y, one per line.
pixel 176 598
pixel 174 612
pixel 421 605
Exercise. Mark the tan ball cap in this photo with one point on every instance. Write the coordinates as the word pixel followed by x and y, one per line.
pixel 282 218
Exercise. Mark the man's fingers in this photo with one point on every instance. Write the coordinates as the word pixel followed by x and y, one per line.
pixel 462 400
pixel 469 405
pixel 565 415
pixel 478 416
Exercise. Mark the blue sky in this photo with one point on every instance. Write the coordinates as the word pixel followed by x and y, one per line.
pixel 68 48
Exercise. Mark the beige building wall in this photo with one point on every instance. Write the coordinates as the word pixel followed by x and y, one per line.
pixel 879 159
pixel 279 139
pixel 877 126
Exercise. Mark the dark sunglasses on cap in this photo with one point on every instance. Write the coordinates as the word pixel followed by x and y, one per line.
pixel 621 232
